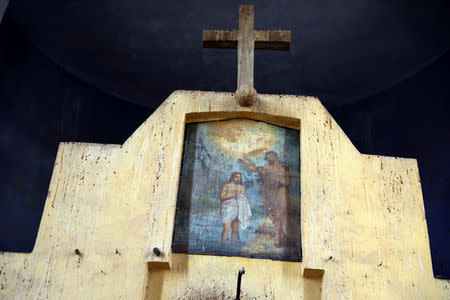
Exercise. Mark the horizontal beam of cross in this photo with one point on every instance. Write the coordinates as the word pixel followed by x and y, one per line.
pixel 264 39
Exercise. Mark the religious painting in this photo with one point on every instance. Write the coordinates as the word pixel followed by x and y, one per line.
pixel 239 191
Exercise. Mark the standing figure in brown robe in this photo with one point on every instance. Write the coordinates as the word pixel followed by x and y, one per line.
pixel 276 181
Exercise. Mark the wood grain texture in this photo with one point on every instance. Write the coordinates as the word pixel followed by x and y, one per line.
pixel 363 219
pixel 246 45
pixel 246 40
pixel 225 39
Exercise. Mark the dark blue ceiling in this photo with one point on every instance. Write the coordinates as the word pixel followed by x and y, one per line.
pixel 142 50
pixel 3 5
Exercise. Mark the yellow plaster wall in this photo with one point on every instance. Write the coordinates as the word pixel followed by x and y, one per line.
pixel 363 218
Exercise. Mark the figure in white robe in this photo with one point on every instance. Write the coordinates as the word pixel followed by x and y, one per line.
pixel 234 207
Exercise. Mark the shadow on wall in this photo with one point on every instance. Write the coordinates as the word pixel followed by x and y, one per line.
pixel 312 289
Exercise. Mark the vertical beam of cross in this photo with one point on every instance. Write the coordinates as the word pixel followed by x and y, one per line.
pixel 246 40
pixel 246 45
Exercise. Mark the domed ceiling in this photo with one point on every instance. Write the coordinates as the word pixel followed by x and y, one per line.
pixel 140 50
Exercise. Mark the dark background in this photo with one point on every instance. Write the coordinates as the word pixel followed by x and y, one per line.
pixel 94 71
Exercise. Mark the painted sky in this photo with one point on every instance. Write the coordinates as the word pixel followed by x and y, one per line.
pixel 213 148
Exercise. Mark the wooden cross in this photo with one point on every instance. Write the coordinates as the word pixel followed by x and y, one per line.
pixel 246 39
